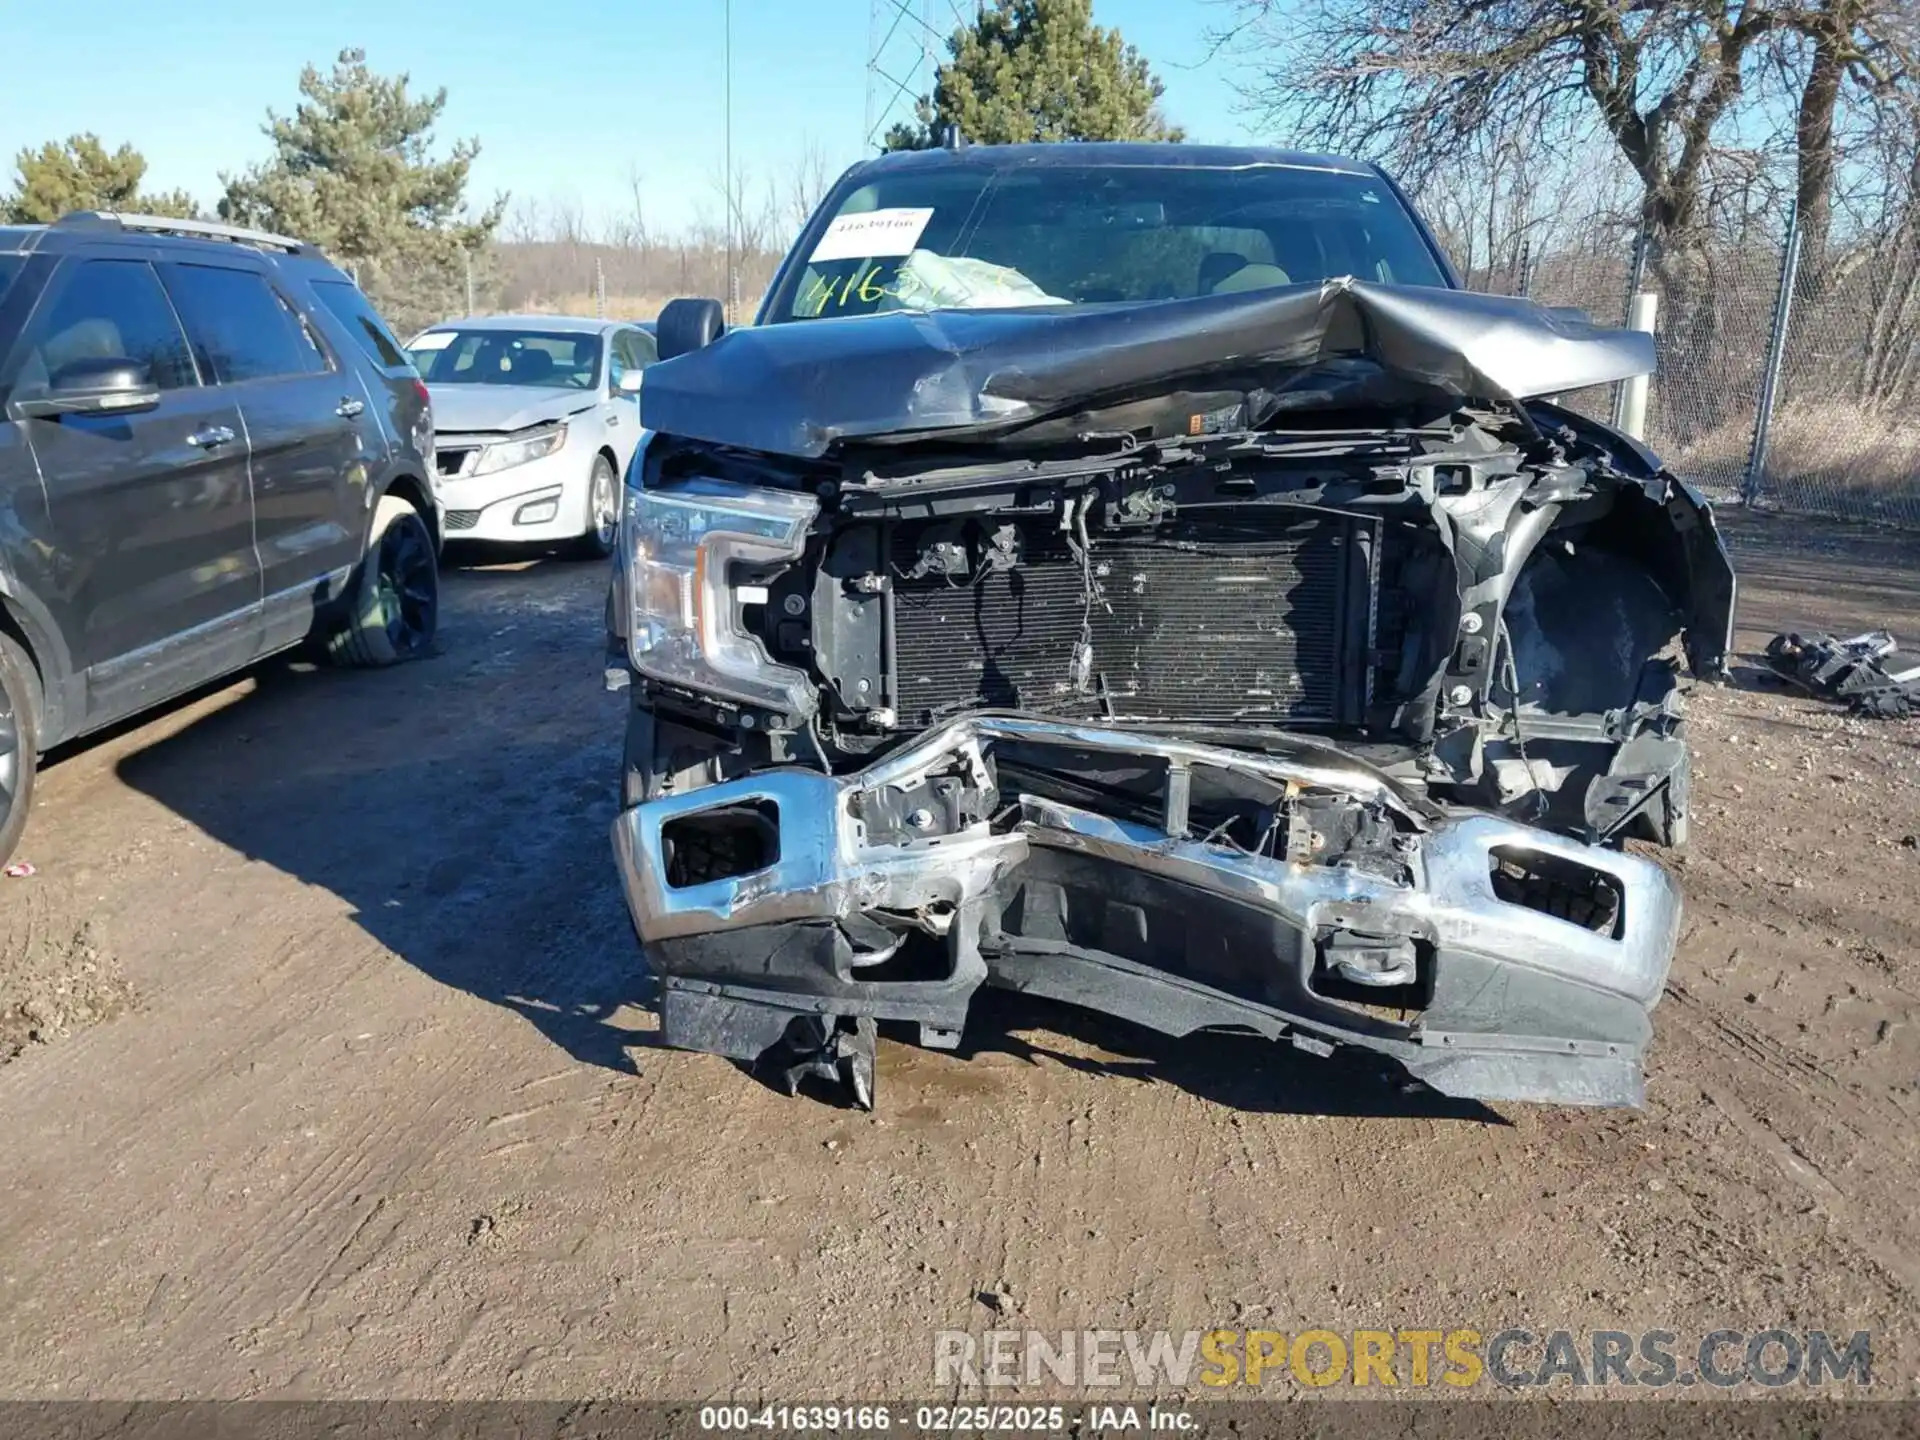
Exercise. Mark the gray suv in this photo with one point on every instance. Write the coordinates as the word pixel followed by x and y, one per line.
pixel 211 449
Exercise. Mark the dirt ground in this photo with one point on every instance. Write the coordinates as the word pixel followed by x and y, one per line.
pixel 335 1077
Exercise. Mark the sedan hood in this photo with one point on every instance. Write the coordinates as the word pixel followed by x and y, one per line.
pixel 811 383
pixel 488 409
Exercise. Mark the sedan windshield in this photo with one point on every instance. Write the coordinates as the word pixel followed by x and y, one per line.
pixel 558 360
pixel 971 237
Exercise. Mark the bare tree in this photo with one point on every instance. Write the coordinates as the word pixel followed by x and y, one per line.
pixel 807 186
pixel 1414 82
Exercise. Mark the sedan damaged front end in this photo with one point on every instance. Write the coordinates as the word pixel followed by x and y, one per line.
pixel 1264 663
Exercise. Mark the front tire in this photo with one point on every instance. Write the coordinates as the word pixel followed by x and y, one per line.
pixel 603 511
pixel 393 599
pixel 19 743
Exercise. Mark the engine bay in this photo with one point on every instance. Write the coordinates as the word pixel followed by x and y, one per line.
pixel 1496 613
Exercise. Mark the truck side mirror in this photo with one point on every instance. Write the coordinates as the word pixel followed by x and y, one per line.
pixel 688 324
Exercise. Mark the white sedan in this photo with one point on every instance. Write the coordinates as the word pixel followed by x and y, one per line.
pixel 535 418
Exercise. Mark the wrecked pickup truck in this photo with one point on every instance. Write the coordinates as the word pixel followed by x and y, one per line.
pixel 1140 576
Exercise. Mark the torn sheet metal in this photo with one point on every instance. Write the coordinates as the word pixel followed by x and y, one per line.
pixel 1514 995
pixel 902 374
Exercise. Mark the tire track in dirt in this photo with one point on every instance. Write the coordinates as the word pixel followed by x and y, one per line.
pixel 373 1157
pixel 325 1156
pixel 1785 1097
pixel 263 1276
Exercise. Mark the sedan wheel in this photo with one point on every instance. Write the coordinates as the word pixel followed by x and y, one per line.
pixel 603 510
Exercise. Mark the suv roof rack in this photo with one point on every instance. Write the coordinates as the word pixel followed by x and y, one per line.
pixel 191 229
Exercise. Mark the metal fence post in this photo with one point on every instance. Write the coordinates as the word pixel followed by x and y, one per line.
pixel 1776 353
pixel 1636 271
pixel 1630 402
pixel 1625 399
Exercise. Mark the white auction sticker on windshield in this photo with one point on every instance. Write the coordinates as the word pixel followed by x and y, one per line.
pixel 871 234
pixel 433 340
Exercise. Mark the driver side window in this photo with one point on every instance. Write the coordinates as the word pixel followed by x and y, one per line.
pixel 108 310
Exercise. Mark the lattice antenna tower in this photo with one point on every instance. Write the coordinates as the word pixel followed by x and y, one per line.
pixel 905 45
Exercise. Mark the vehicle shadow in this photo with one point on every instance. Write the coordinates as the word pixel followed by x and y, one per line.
pixel 1244 1072
pixel 461 806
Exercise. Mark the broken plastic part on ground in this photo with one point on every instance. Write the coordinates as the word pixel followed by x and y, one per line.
pixel 1857 671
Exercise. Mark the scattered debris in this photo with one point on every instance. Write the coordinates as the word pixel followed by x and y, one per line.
pixel 20 870
pixel 52 984
pixel 1852 670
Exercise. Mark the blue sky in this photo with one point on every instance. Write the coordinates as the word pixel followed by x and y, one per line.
pixel 565 96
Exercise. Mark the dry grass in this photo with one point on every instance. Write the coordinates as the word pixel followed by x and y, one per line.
pixel 619 307
pixel 1830 456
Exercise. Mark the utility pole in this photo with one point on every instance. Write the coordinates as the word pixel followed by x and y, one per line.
pixel 600 287
pixel 727 179
pixel 466 257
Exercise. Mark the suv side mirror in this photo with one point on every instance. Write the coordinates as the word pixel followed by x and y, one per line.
pixel 629 382
pixel 687 325
pixel 100 386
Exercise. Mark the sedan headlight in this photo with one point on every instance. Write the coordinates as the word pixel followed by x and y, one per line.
pixel 681 545
pixel 535 444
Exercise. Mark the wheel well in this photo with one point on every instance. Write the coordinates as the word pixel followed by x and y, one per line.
pixel 409 489
pixel 613 460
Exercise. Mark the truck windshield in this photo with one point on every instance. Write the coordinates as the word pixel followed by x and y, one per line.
pixel 967 236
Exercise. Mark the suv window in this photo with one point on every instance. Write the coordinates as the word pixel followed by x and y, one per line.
pixel 108 310
pixel 9 267
pixel 242 329
pixel 354 311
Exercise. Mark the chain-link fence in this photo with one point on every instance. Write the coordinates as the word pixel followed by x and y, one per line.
pixel 1786 377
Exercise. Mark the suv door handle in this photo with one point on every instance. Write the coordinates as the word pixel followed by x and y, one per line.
pixel 349 408
pixel 208 438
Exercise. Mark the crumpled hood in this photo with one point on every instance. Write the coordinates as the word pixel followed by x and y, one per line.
pixel 796 388
pixel 469 409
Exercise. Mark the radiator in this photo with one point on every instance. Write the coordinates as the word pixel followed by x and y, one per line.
pixel 1262 616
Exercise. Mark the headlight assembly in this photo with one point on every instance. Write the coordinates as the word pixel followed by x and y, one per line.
pixel 681 545
pixel 535 444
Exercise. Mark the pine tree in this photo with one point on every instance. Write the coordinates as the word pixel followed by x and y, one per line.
pixel 1039 70
pixel 79 173
pixel 353 171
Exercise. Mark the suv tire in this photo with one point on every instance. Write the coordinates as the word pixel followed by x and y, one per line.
pixel 393 599
pixel 19 742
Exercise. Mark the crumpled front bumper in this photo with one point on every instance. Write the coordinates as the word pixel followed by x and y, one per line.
pixel 1512 1003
